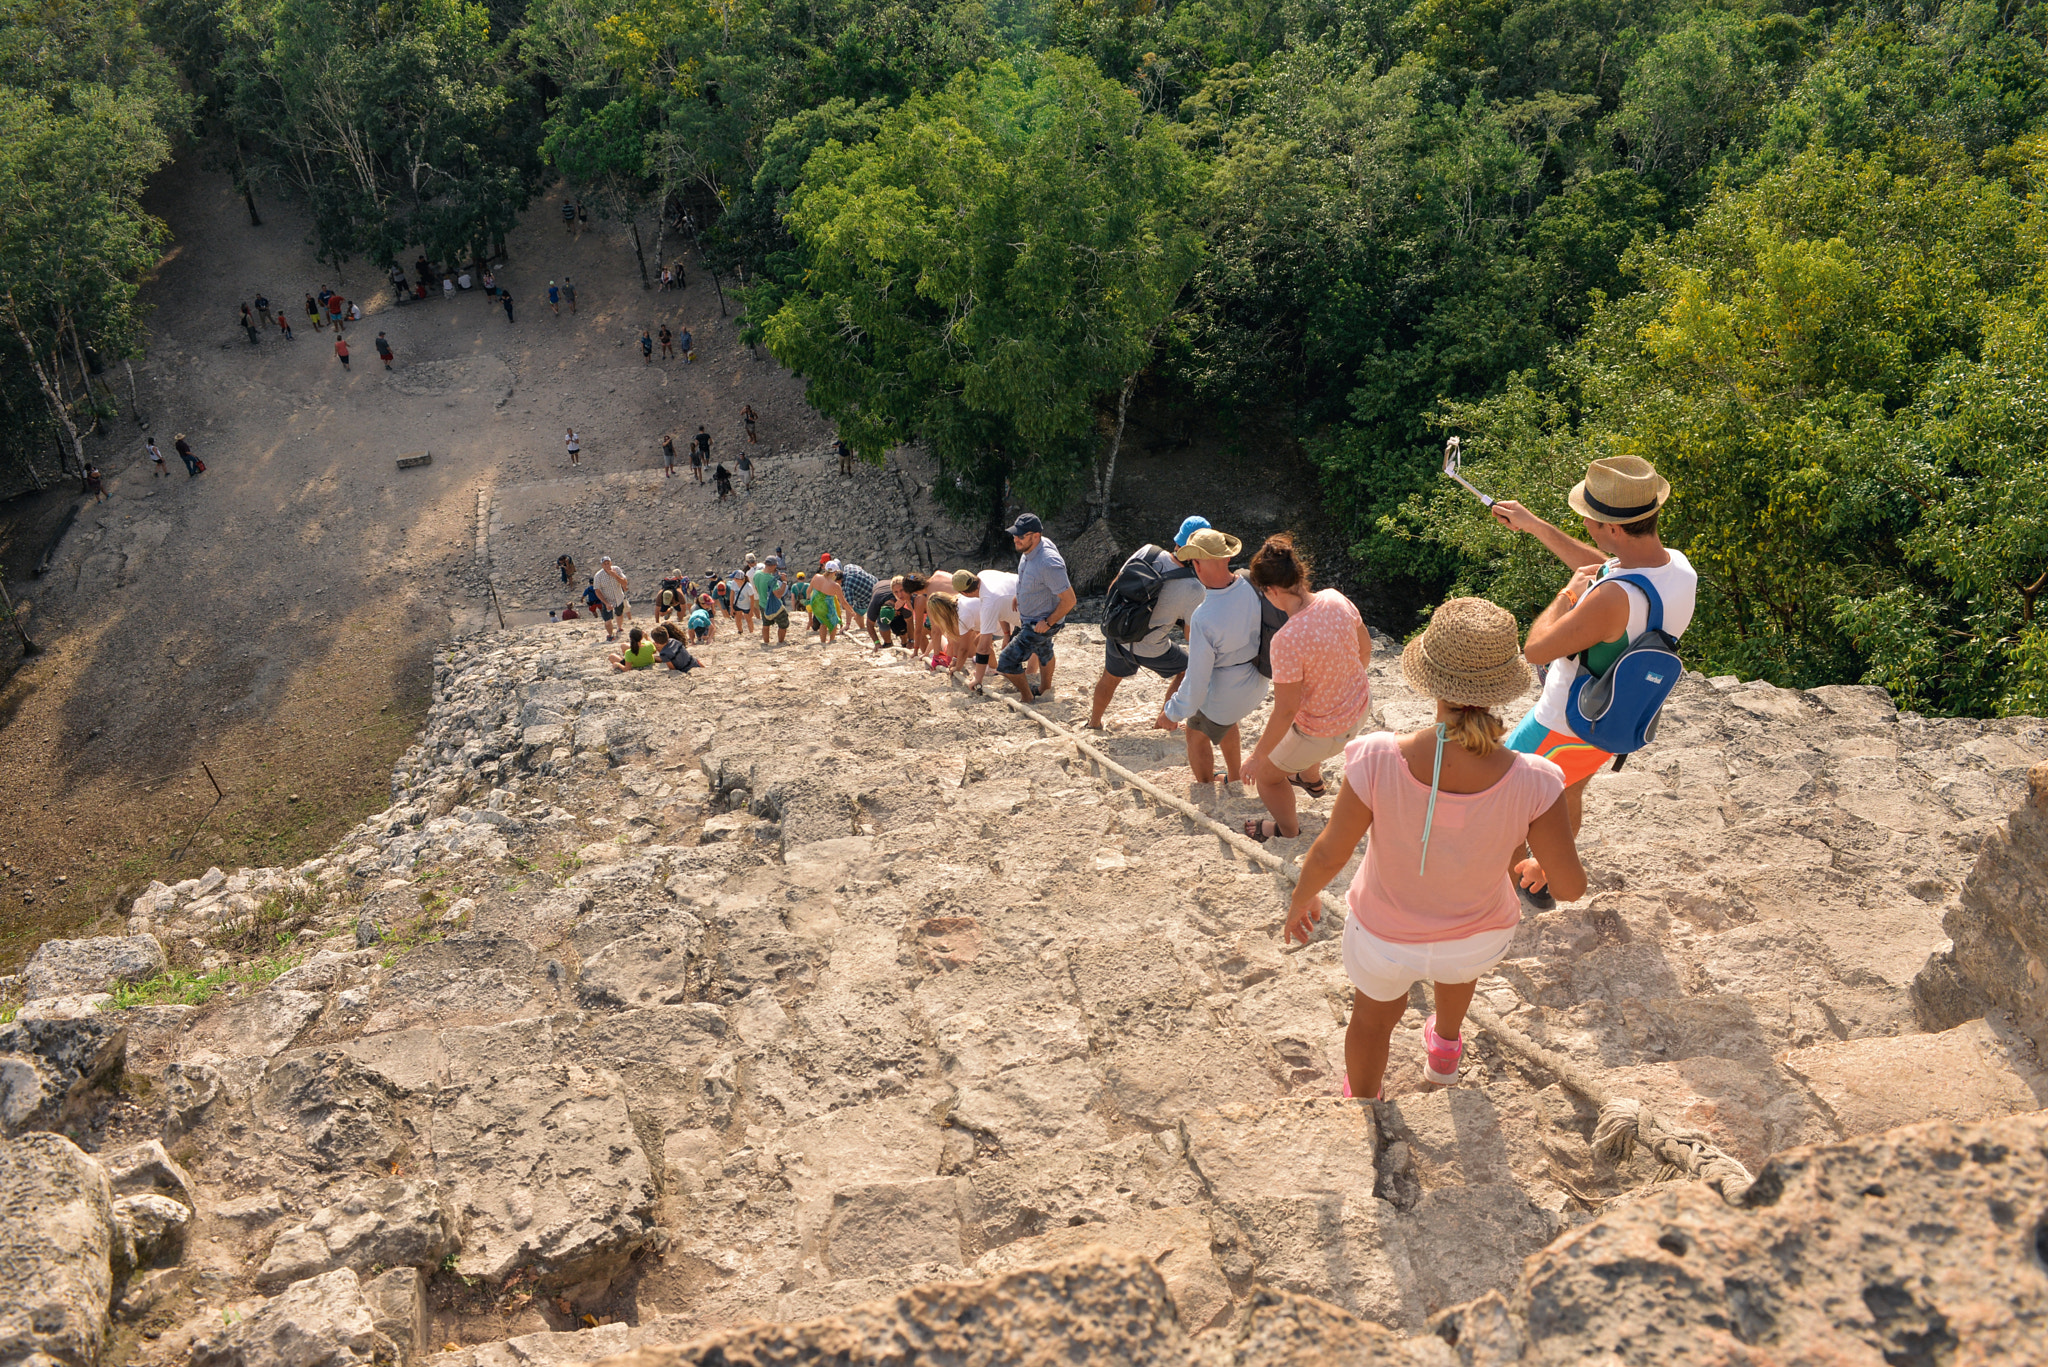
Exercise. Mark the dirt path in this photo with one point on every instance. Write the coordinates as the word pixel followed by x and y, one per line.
pixel 275 618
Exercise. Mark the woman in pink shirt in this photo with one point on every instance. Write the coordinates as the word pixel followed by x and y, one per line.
pixel 1433 897
pixel 1322 695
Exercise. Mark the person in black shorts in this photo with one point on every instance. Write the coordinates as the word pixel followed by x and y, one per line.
pixel 598 607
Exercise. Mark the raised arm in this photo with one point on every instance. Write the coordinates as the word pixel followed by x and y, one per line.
pixel 1574 553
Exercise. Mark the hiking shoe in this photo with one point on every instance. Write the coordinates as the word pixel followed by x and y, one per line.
pixel 1537 900
pixel 1440 1064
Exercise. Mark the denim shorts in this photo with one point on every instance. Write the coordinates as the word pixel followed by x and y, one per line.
pixel 1023 645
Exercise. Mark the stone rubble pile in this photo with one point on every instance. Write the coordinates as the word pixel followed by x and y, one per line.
pixel 657 1005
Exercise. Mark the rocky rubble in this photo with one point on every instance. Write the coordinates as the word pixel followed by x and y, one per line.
pixel 656 1005
pixel 1946 1269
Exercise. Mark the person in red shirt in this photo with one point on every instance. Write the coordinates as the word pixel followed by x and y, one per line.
pixel 341 350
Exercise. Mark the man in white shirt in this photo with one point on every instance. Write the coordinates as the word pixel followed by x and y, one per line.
pixel 612 587
pixel 988 605
pixel 1590 622
pixel 1222 685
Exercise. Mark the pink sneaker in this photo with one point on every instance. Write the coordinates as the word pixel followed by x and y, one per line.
pixel 1442 1055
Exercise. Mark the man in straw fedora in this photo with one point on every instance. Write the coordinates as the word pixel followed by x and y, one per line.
pixel 1590 623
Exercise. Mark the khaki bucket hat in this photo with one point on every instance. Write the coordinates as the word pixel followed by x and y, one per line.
pixel 1209 544
pixel 1619 490
pixel 1471 654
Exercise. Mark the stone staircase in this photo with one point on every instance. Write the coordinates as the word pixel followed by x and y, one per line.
pixel 658 1004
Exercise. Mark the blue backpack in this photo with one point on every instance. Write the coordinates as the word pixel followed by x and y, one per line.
pixel 1618 711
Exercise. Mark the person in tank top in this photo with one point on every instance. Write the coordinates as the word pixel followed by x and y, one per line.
pixel 1591 621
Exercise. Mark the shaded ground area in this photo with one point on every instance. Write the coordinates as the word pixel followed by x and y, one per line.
pixel 276 617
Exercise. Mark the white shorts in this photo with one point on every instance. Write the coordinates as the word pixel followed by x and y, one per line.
pixel 1383 970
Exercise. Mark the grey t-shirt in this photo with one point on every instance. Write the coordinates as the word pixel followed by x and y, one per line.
pixel 1041 579
pixel 1178 599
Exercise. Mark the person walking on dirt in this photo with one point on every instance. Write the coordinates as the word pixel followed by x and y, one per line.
pixel 384 350
pixel 582 218
pixel 341 350
pixel 156 457
pixel 1592 620
pixel 1179 592
pixel 646 347
pixel 668 454
pixel 668 343
pixel 284 325
pixel 613 589
pixel 749 416
pixel 703 440
pixel 554 299
pixel 193 465
pixel 1044 598
pixel 575 445
pixel 689 346
pixel 569 217
pixel 1223 685
pixel 249 325
pixel 1446 805
pixel 771 591
pixel 845 457
pixel 263 309
pixel 593 600
pixel 567 565
pixel 746 464
pixel 316 312
pixel 1322 692
pixel 505 298
pixel 95 484
pixel 696 462
pixel 569 294
pixel 723 478
pixel 490 285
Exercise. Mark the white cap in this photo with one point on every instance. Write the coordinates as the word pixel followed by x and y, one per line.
pixel 831 567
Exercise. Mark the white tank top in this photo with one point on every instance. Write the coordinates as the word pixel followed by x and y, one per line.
pixel 1677 584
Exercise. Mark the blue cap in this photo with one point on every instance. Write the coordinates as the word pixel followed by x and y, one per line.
pixel 1188 529
pixel 1026 524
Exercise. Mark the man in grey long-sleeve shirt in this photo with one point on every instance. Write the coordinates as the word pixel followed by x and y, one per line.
pixel 1222 686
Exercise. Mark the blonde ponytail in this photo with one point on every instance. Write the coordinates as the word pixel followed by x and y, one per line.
pixel 1476 728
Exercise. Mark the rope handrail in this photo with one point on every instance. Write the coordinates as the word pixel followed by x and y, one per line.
pixel 1623 1123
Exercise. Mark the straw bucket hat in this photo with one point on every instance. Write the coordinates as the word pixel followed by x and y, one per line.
pixel 1619 490
pixel 1471 654
pixel 1209 544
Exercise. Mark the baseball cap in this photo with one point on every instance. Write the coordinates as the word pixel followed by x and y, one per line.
pixel 1189 528
pixel 772 560
pixel 831 567
pixel 1026 524
pixel 963 580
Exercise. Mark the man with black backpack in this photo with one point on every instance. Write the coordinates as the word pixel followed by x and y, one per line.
pixel 1223 684
pixel 1628 591
pixel 1151 593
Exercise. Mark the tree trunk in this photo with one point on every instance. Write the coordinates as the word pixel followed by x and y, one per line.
pixel 49 382
pixel 645 284
pixel 1123 404
pixel 28 647
pixel 134 402
pixel 85 378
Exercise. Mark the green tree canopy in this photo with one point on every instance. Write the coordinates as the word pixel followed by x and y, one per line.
pixel 985 270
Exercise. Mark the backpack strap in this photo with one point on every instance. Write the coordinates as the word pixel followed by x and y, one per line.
pixel 1656 617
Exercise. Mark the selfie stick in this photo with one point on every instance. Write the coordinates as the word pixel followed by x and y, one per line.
pixel 1453 461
